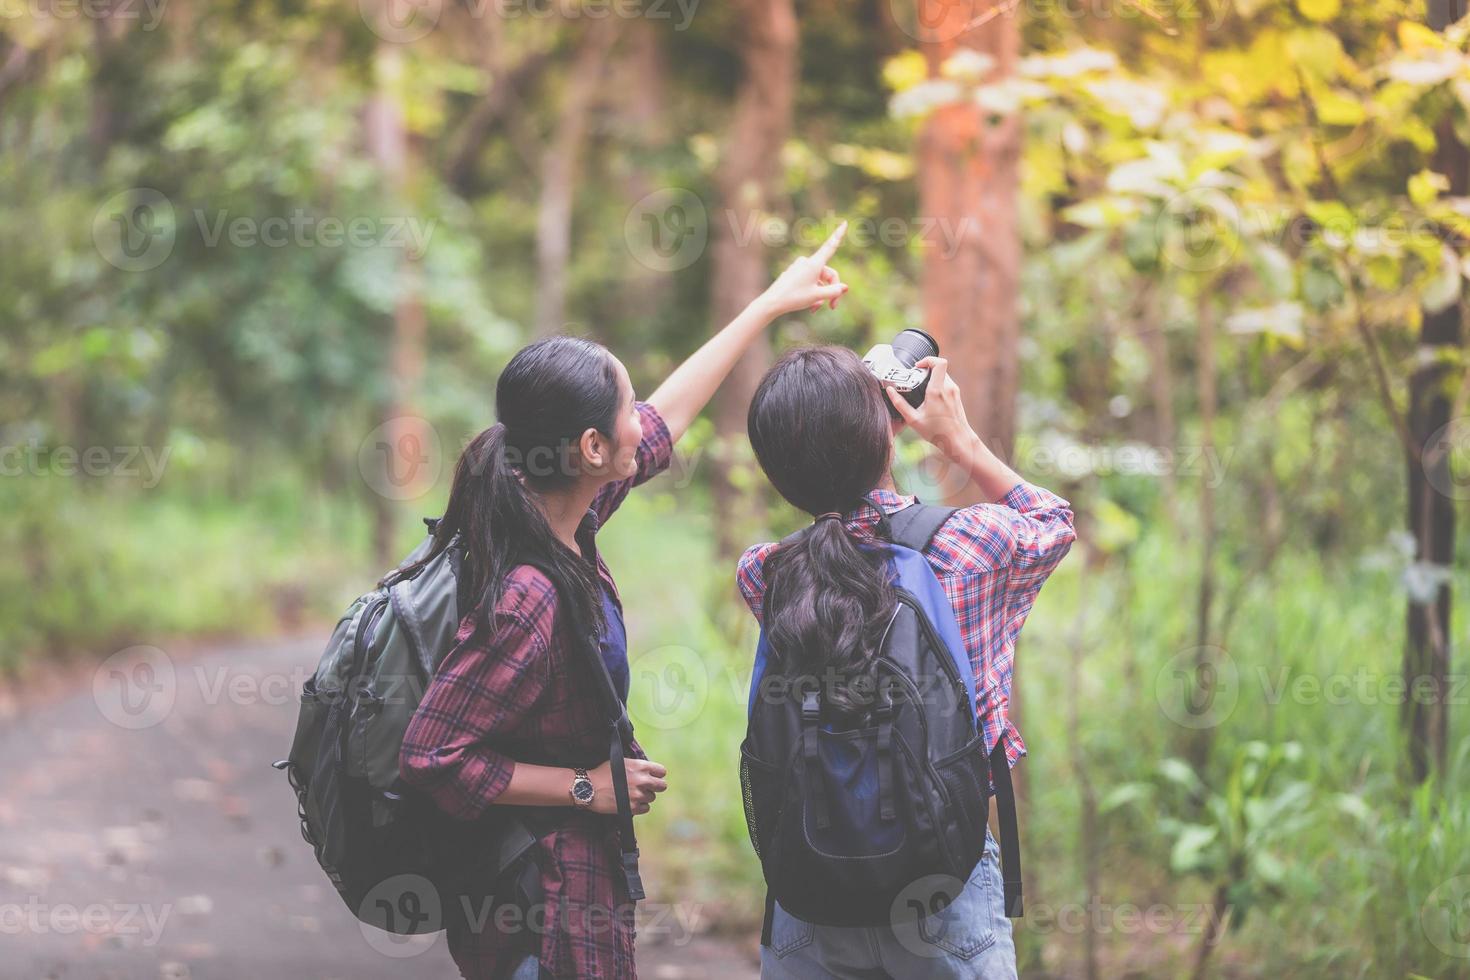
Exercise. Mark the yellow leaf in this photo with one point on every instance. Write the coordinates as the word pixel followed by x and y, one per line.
pixel 1338 109
pixel 1319 10
pixel 1426 185
pixel 1317 51
pixel 905 70
pixel 1415 37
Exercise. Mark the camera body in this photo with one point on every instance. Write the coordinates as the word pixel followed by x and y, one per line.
pixel 893 365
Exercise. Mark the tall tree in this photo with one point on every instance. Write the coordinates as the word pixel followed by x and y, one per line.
pixel 1431 510
pixel 388 145
pixel 968 186
pixel 560 164
pixel 745 183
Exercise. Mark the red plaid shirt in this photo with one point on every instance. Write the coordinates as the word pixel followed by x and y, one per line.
pixel 991 560
pixel 516 694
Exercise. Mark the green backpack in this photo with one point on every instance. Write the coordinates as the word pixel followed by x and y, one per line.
pixel 398 862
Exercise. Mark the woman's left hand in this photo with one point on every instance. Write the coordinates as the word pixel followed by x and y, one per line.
pixel 808 282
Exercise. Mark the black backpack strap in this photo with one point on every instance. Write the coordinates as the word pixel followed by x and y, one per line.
pixel 625 808
pixel 770 914
pixel 622 729
pixel 915 526
pixel 1010 843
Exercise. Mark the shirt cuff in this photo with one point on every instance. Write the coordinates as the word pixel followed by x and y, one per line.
pixel 1026 497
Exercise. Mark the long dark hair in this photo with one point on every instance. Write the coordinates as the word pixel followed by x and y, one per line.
pixel 822 434
pixel 548 395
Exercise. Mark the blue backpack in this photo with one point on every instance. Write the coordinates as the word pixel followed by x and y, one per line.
pixel 845 819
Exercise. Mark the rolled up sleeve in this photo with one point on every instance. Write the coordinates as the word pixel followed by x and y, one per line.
pixel 481 693
pixel 654 453
pixel 1042 533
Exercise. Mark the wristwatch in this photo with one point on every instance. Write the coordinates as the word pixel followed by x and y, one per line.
pixel 582 791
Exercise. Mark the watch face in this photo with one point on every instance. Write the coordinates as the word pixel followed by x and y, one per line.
pixel 582 790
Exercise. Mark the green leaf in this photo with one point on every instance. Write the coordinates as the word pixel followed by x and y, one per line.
pixel 1190 850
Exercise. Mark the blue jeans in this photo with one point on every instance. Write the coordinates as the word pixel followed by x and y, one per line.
pixel 969 938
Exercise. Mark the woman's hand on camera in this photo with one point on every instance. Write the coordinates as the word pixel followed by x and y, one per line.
pixel 646 779
pixel 940 419
pixel 809 282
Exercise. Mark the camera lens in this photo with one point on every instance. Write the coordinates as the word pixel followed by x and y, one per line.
pixel 912 346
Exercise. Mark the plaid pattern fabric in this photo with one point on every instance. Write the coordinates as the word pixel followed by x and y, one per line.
pixel 991 560
pixel 516 694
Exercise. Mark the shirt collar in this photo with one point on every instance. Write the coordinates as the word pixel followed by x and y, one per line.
pixel 865 516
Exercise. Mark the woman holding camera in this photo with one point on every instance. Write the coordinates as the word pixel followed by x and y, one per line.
pixel 512 717
pixel 823 433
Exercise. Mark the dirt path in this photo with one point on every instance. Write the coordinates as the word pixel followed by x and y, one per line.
pixel 144 835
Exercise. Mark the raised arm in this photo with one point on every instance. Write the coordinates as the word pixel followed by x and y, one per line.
pixel 806 284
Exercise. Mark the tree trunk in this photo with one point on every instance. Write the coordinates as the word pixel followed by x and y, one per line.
pixel 641 77
pixel 559 166
pixel 745 183
pixel 387 141
pixel 968 185
pixel 1432 511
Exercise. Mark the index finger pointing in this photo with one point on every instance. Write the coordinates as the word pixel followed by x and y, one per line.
pixel 829 247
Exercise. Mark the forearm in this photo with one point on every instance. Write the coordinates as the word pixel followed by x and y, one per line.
pixel 985 469
pixel 537 786
pixel 692 384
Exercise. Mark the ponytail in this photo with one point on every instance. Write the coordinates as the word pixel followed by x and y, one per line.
pixel 819 426
pixel 828 601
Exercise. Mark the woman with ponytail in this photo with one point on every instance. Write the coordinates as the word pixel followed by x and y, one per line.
pixel 513 717
pixel 821 428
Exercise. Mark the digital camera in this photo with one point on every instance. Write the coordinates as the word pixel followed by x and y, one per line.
pixel 893 365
